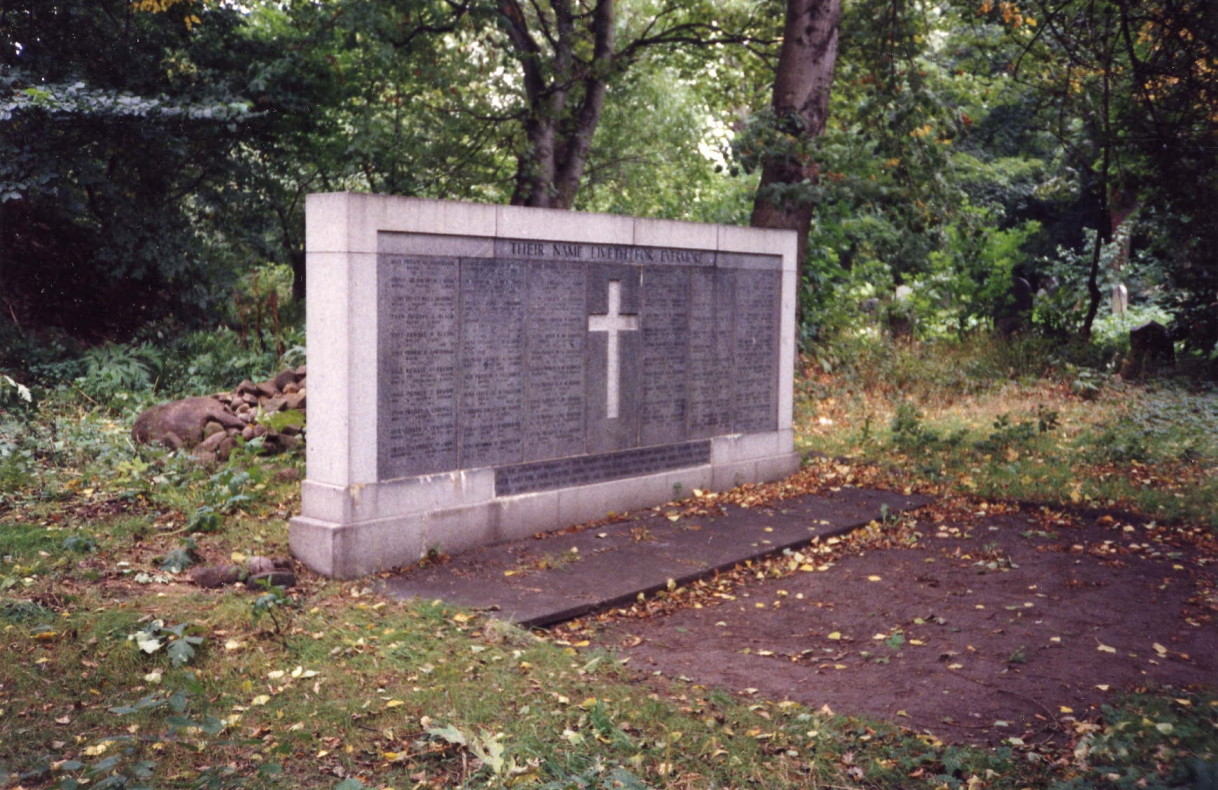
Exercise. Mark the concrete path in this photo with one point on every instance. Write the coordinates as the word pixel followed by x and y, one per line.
pixel 559 576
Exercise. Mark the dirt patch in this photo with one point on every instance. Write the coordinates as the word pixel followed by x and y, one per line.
pixel 1019 624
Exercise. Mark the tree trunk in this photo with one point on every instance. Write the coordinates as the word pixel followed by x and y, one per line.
pixel 564 107
pixel 801 107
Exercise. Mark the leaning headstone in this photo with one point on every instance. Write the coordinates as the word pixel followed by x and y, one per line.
pixel 1150 351
pixel 482 373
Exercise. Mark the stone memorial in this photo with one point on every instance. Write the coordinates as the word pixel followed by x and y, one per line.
pixel 482 373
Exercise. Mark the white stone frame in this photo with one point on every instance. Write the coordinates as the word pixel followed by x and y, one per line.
pixel 352 523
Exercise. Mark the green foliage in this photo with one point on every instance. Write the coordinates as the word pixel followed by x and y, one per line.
pixel 275 604
pixel 115 373
pixel 1008 433
pixel 1127 751
pixel 97 229
pixel 1174 427
pixel 22 612
pixel 180 558
pixel 179 646
pixel 16 398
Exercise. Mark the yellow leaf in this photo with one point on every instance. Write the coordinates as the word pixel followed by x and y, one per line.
pixel 835 635
pixel 238 557
pixel 1160 649
pixel 261 699
pixel 1065 709
pixel 873 578
pixel 394 703
pixel 1103 686
pixel 97 749
pixel 1105 648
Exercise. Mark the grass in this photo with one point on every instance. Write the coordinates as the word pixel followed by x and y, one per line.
pixel 1033 434
pixel 330 686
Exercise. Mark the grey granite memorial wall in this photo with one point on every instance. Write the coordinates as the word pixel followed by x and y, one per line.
pixel 479 373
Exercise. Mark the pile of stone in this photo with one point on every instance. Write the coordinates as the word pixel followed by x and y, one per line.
pixel 257 573
pixel 211 426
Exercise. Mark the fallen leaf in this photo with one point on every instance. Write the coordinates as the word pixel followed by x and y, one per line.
pixel 1105 648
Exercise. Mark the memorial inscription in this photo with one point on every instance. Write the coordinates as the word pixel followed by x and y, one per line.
pixel 525 356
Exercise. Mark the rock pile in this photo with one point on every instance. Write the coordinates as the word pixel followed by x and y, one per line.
pixel 257 573
pixel 273 410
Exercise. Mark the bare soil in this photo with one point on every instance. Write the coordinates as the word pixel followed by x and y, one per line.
pixel 1007 623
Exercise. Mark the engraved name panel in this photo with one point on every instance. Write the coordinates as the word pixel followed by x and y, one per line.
pixel 666 331
pixel 418 365
pixel 711 347
pixel 755 370
pixel 491 401
pixel 556 334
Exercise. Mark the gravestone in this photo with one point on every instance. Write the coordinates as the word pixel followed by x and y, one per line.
pixel 483 373
pixel 1120 300
pixel 1150 351
pixel 1012 317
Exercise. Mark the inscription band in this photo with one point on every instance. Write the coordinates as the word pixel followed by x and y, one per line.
pixel 585 469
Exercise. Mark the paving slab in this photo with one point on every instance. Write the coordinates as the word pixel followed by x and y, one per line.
pixel 559 576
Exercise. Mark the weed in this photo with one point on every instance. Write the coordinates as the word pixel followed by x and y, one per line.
pixel 180 558
pixel 81 544
pixel 24 612
pixel 179 646
pixel 275 604
pixel 909 432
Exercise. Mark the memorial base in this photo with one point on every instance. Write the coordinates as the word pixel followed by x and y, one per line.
pixel 348 532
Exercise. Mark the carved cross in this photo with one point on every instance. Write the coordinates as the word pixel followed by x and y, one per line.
pixel 613 322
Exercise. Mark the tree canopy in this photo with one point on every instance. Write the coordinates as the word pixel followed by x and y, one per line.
pixel 154 151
